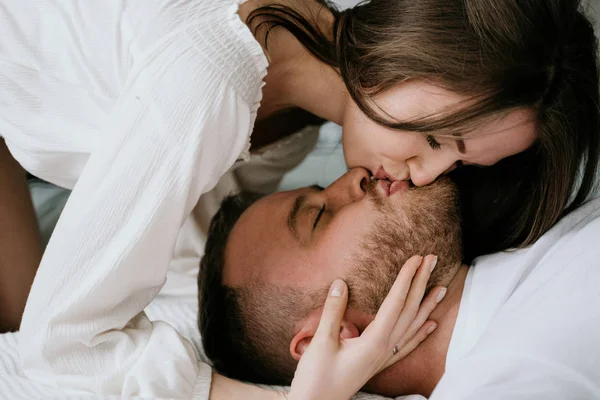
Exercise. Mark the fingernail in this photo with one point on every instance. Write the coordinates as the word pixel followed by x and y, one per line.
pixel 433 263
pixel 336 288
pixel 441 295
pixel 431 329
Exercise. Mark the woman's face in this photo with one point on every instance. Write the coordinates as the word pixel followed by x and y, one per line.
pixel 400 155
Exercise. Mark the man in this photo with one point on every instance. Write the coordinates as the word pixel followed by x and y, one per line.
pixel 518 324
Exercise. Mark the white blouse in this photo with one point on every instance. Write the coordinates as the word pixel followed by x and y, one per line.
pixel 140 106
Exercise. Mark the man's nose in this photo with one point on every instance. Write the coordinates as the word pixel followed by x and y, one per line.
pixel 427 171
pixel 349 188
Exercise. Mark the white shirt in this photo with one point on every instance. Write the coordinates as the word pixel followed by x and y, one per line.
pixel 529 321
pixel 143 104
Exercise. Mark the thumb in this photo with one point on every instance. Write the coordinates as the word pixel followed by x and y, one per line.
pixel 333 310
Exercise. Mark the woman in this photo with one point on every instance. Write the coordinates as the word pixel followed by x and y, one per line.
pixel 145 106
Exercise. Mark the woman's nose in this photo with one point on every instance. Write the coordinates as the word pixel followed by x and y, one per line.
pixel 424 173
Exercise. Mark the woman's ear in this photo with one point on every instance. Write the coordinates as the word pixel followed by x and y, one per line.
pixel 308 328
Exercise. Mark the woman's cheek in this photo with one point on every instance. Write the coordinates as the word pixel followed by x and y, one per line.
pixel 352 150
pixel 352 158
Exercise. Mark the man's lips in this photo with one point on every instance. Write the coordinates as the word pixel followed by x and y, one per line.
pixel 398 186
pixel 384 187
pixel 387 188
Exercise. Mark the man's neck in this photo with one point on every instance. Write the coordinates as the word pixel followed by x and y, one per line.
pixel 422 369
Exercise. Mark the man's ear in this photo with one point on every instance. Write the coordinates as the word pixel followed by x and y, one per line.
pixel 308 328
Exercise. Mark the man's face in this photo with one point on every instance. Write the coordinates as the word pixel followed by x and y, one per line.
pixel 310 236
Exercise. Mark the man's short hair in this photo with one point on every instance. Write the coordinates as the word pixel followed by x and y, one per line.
pixel 246 331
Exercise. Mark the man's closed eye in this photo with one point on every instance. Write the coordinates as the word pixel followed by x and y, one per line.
pixel 319 215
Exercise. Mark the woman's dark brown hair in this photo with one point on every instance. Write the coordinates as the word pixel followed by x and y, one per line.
pixel 504 55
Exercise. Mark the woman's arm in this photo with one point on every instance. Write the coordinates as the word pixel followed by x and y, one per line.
pixel 223 388
pixel 20 241
pixel 178 126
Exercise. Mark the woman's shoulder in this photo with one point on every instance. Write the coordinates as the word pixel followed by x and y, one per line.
pixel 209 32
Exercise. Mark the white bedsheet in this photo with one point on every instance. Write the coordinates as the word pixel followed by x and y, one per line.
pixel 179 312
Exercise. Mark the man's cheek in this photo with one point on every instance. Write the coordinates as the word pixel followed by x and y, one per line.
pixel 340 243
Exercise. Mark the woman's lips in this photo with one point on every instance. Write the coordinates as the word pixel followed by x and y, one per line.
pixel 382 174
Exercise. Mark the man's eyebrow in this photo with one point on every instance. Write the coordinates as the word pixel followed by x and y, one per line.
pixel 293 215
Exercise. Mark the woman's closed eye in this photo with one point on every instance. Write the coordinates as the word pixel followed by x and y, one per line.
pixel 434 144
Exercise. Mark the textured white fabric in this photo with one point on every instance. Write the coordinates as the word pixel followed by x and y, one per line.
pixel 14 385
pixel 528 322
pixel 143 105
pixel 178 312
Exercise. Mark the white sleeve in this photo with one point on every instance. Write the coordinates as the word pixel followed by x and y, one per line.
pixel 543 343
pixel 176 129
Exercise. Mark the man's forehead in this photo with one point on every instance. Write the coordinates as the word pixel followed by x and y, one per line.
pixel 258 238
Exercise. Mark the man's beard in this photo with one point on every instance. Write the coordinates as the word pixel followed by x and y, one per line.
pixel 425 221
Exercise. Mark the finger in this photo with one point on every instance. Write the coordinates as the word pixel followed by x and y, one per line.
pixel 390 309
pixel 414 298
pixel 427 306
pixel 333 311
pixel 427 329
